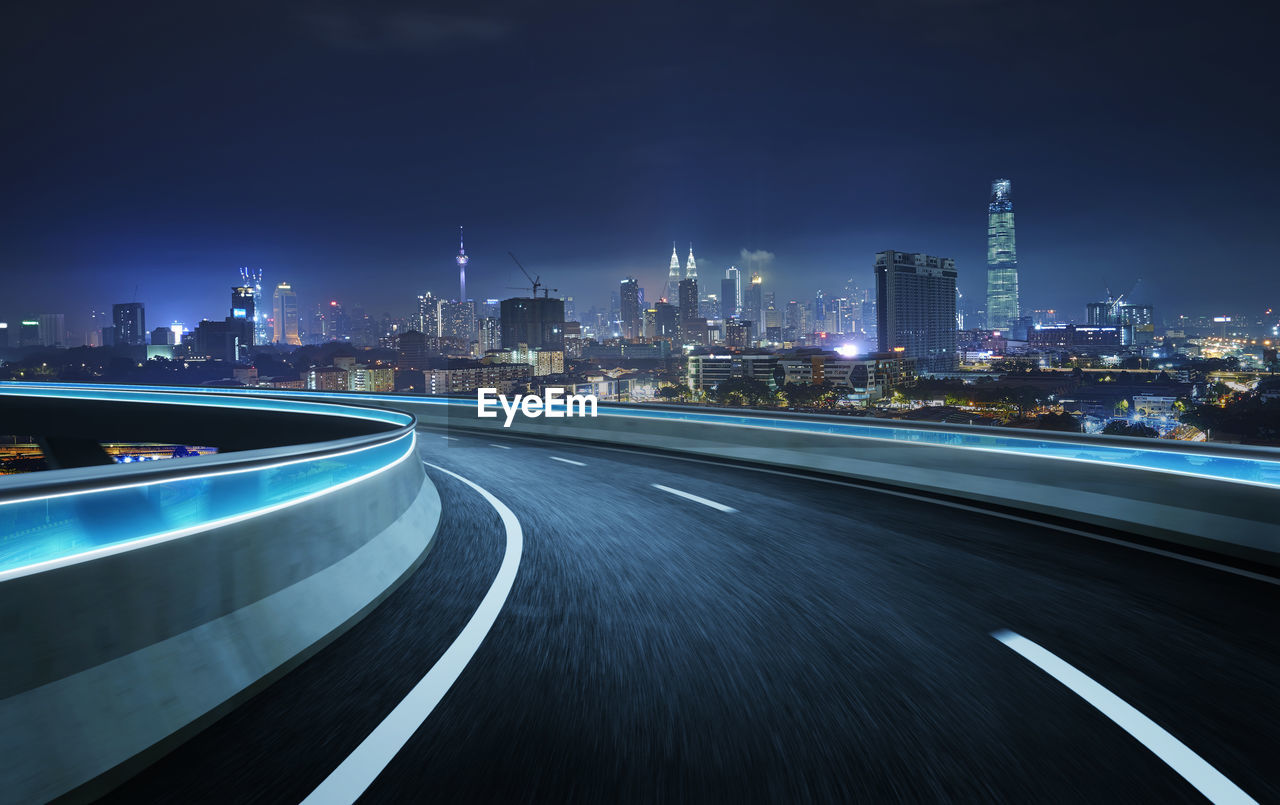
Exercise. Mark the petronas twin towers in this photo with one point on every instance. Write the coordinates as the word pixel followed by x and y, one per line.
pixel 672 290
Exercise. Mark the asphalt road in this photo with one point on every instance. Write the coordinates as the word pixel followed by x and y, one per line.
pixel 819 642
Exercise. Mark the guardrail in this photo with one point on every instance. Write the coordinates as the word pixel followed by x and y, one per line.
pixel 142 601
pixel 1218 498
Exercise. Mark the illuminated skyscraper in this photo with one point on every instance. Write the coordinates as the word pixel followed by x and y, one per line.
pixel 428 319
pixel 691 266
pixel 629 308
pixel 734 276
pixel 692 328
pixel 753 305
pixel 252 278
pixel 242 304
pixel 1002 259
pixel 916 308
pixel 672 291
pixel 286 315
pixel 130 322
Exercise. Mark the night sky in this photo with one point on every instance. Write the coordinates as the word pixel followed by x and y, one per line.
pixel 339 147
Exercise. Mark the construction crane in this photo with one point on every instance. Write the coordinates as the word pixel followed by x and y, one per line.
pixel 536 282
pixel 1116 302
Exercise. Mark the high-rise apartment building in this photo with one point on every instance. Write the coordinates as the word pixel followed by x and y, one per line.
pixel 916 308
pixel 427 321
pixel 629 308
pixel 1002 259
pixel 490 334
pixel 129 320
pixel 535 321
pixel 285 323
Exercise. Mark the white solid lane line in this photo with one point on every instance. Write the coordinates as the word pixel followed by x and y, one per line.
pixel 696 499
pixel 569 461
pixel 1193 768
pixel 499 446
pixel 357 772
pixel 450 438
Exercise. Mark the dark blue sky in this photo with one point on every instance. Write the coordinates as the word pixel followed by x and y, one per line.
pixel 339 147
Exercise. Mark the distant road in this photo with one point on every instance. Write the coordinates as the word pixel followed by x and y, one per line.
pixel 679 630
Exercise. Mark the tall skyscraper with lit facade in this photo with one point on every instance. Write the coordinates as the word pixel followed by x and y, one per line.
pixel 629 319
pixel 672 291
pixel 916 308
pixel 735 277
pixel 753 305
pixel 691 266
pixel 252 278
pixel 1002 259
pixel 286 315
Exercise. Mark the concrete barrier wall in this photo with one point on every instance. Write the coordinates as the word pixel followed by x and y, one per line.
pixel 110 662
pixel 1227 517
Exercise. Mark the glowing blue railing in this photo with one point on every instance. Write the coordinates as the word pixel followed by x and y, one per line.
pixel 1200 460
pixel 46 527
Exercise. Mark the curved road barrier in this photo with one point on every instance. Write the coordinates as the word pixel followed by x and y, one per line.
pixel 1219 498
pixel 142 601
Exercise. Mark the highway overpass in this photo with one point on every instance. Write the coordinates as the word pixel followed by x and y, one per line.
pixel 389 597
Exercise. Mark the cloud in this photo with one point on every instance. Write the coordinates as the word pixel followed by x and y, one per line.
pixel 402 30
pixel 757 260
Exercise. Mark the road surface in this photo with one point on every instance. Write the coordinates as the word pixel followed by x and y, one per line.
pixel 681 630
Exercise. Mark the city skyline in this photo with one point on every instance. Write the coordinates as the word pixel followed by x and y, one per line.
pixel 778 153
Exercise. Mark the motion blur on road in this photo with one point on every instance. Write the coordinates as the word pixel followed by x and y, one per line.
pixel 760 636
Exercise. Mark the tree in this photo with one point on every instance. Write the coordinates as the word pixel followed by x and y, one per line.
pixel 1063 422
pixel 1119 427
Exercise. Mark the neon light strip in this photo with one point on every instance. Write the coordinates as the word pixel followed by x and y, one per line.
pixel 214 474
pixel 142 542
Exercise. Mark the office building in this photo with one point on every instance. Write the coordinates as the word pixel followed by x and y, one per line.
pixel 753 306
pixel 1002 259
pixel 53 329
pixel 665 320
pixel 735 281
pixel 285 322
pixel 690 322
pixel 252 278
pixel 536 321
pixel 672 290
pixel 728 307
pixel 916 308
pixel 629 308
pixel 130 324
pixel 737 333
pixel 242 303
